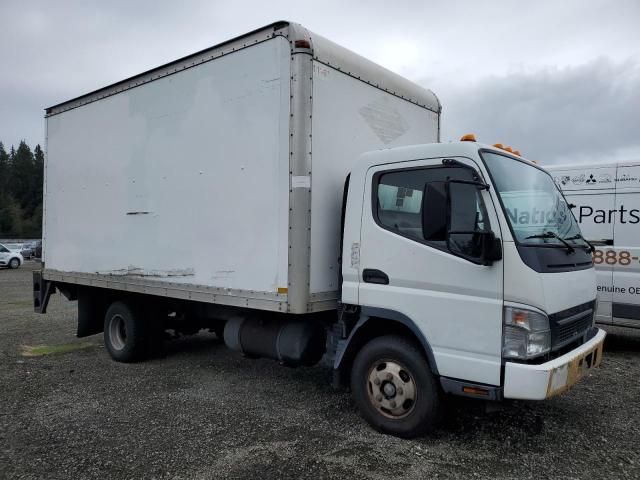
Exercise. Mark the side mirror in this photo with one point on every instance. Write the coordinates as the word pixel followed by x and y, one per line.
pixel 435 211
pixel 453 211
pixel 478 247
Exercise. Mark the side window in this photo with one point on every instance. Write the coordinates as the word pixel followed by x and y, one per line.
pixel 400 205
pixel 398 202
pixel 3 250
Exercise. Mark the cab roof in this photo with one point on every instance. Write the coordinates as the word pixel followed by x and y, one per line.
pixel 430 150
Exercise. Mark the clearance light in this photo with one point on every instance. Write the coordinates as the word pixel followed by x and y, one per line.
pixel 302 44
pixel 508 149
pixel 469 137
pixel 476 391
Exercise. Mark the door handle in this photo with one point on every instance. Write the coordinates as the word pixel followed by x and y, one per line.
pixel 371 275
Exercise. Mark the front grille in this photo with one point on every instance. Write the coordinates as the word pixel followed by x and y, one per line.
pixel 569 325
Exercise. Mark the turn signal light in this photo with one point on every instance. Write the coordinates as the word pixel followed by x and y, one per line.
pixel 469 137
pixel 519 318
pixel 476 391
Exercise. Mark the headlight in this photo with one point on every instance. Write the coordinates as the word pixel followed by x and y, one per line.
pixel 526 334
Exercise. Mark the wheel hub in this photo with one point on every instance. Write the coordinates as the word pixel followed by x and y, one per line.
pixel 118 332
pixel 389 390
pixel 392 390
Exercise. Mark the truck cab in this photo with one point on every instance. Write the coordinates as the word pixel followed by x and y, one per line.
pixel 472 251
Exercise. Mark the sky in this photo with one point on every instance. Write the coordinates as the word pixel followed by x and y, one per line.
pixel 558 80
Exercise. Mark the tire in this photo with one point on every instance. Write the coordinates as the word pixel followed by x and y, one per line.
pixel 394 389
pixel 14 262
pixel 127 336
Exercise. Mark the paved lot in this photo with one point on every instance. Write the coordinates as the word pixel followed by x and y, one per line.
pixel 203 412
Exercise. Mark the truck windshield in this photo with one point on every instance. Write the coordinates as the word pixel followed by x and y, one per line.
pixel 535 208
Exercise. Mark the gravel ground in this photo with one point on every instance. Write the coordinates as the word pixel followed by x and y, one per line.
pixel 203 411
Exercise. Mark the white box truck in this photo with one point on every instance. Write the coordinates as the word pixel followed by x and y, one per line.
pixel 231 190
pixel 606 204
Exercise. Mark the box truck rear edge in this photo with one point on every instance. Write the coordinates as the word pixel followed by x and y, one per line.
pixel 231 190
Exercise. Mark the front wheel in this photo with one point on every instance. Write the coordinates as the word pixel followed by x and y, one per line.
pixel 14 263
pixel 393 387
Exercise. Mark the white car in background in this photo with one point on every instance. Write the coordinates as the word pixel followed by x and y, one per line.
pixel 10 258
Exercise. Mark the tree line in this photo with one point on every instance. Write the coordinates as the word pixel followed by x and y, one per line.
pixel 21 179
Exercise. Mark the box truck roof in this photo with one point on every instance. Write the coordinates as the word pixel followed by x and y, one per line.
pixel 301 41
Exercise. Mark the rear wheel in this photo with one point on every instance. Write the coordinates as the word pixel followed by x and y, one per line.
pixel 127 335
pixel 393 387
pixel 14 263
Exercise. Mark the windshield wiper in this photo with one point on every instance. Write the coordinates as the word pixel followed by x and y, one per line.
pixel 551 234
pixel 578 236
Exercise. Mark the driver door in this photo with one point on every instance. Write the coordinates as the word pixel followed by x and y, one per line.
pixel 455 302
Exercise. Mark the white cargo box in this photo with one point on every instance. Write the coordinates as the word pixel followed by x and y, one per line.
pixel 219 176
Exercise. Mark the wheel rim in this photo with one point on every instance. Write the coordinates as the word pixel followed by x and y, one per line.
pixel 13 263
pixel 392 389
pixel 117 332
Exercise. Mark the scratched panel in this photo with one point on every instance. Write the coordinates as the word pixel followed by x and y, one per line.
pixel 350 118
pixel 184 179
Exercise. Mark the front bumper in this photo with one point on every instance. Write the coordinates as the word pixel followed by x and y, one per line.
pixel 537 382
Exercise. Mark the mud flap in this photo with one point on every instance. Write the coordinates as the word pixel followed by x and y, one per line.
pixel 42 290
pixel 91 311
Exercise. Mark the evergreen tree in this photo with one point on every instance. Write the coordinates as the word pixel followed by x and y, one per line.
pixel 21 179
pixel 4 172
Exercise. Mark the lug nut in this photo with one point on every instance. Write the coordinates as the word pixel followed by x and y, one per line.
pixel 379 398
pixel 389 377
pixel 377 381
pixel 393 404
pixel 400 391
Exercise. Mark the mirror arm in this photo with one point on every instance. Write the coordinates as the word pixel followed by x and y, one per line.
pixel 480 185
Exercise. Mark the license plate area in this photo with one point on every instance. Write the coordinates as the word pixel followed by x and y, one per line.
pixel 567 375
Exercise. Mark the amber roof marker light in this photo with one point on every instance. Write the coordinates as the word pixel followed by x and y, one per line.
pixel 469 137
pixel 507 149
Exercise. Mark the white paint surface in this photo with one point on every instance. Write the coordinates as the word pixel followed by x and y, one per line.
pixel 607 199
pixel 349 119
pixel 203 152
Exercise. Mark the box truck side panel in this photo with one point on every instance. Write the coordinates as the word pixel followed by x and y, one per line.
pixel 625 309
pixel 350 117
pixel 181 180
pixel 592 191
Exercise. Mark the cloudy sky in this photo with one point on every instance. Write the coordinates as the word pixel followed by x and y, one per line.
pixel 560 80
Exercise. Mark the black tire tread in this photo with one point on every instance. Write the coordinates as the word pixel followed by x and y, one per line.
pixel 139 335
pixel 427 411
